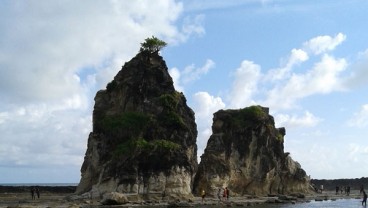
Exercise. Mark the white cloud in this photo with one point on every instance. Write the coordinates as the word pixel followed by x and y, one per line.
pixel 360 119
pixel 297 56
pixel 3 117
pixel 57 41
pixel 193 26
pixel 288 121
pixel 192 73
pixel 204 106
pixel 53 59
pixel 245 84
pixel 359 72
pixel 193 5
pixel 175 75
pixel 41 131
pixel 322 44
pixel 324 77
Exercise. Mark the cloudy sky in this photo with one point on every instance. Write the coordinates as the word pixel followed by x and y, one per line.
pixel 305 60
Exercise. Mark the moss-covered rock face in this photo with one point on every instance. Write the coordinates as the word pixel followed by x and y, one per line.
pixel 141 146
pixel 246 154
pixel 131 122
pixel 142 130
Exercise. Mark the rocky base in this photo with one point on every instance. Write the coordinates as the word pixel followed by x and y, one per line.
pixel 54 199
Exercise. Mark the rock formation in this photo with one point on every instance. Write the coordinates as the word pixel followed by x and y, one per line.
pixel 144 135
pixel 246 154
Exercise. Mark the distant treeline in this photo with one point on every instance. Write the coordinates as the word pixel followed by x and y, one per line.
pixel 354 184
pixel 50 189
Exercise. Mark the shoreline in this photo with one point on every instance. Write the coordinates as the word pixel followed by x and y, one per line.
pixel 61 197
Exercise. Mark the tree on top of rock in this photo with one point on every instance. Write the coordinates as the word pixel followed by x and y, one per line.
pixel 152 44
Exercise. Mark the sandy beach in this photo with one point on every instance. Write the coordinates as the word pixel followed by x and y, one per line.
pixel 52 199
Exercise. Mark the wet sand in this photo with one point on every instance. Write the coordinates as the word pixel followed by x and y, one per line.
pixel 51 199
pixel 25 200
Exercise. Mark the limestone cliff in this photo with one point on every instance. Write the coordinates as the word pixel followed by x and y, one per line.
pixel 144 135
pixel 246 154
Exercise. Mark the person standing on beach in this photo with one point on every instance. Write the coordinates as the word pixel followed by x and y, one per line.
pixel 364 199
pixel 203 194
pixel 38 192
pixel 219 194
pixel 224 194
pixel 33 193
pixel 227 194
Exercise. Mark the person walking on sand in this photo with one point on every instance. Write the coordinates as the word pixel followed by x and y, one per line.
pixel 33 193
pixel 38 192
pixel 219 194
pixel 227 194
pixel 224 194
pixel 364 199
pixel 203 194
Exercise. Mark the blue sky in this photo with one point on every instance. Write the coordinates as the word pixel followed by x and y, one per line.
pixel 305 60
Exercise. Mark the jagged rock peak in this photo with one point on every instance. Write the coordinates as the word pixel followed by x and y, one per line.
pixel 144 135
pixel 246 154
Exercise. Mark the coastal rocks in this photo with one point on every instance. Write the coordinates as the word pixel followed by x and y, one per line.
pixel 143 145
pixel 246 154
pixel 143 142
pixel 114 198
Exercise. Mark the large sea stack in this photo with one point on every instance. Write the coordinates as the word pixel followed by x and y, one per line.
pixel 143 142
pixel 246 154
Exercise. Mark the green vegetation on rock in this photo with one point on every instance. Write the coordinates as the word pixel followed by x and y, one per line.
pixel 249 115
pixel 132 121
pixel 253 113
pixel 279 137
pixel 171 119
pixel 141 145
pixel 152 44
pixel 165 145
pixel 170 101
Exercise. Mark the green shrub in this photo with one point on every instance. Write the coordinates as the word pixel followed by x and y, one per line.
pixel 141 144
pixel 170 101
pixel 165 144
pixel 248 116
pixel 253 113
pixel 152 44
pixel 279 137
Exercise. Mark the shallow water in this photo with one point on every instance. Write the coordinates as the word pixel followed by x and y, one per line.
pixel 346 203
pixel 340 203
